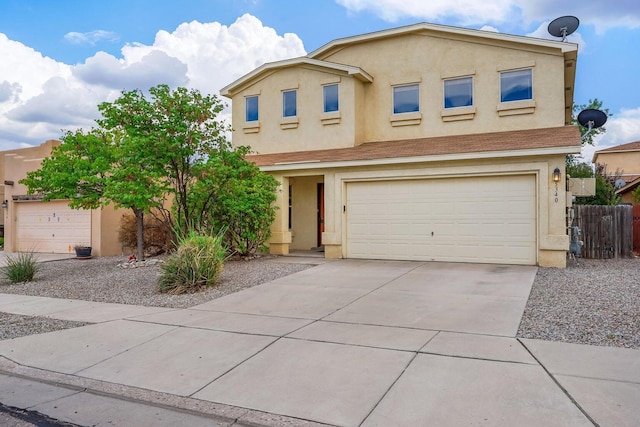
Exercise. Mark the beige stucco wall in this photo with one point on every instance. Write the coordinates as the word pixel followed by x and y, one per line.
pixel 429 59
pixel 626 163
pixel 552 240
pixel 366 108
pixel 37 152
pixel 628 198
pixel 311 129
pixel 14 165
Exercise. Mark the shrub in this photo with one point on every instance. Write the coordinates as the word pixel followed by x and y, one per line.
pixel 233 194
pixel 157 232
pixel 197 263
pixel 21 267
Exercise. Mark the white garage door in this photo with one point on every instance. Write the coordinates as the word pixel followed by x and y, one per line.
pixel 50 227
pixel 480 219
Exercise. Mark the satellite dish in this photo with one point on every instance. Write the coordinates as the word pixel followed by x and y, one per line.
pixel 620 183
pixel 563 26
pixel 592 118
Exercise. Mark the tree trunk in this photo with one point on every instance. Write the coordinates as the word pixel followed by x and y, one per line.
pixel 140 233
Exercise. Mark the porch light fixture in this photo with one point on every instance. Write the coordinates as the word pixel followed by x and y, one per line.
pixel 556 175
pixel 4 204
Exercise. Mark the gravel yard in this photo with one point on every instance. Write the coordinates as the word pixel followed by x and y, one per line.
pixel 590 302
pixel 595 302
pixel 101 280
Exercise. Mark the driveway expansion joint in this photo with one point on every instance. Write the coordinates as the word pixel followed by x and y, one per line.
pixel 560 386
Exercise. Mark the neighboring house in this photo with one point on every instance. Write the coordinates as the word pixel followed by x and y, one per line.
pixel 423 142
pixel 33 225
pixel 624 159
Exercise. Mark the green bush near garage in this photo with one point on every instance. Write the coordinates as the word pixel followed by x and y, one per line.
pixel 196 264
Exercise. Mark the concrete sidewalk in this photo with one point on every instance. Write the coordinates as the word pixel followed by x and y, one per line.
pixel 39 256
pixel 346 343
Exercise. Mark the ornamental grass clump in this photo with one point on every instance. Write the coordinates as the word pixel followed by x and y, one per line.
pixel 21 267
pixel 196 264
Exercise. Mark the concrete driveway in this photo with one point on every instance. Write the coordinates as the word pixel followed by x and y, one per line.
pixel 346 343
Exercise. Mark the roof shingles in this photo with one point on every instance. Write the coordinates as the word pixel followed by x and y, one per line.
pixel 565 136
pixel 631 146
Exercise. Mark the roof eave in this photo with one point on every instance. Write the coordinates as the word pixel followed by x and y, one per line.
pixel 563 46
pixel 356 72
pixel 318 164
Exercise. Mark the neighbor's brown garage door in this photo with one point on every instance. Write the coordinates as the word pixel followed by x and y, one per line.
pixel 50 227
pixel 480 219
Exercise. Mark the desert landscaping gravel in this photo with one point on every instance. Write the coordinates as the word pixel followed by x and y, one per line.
pixel 590 302
pixel 104 280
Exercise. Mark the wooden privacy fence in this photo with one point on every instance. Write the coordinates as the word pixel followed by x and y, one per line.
pixel 607 231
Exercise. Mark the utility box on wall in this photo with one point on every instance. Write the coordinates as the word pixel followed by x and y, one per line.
pixel 581 187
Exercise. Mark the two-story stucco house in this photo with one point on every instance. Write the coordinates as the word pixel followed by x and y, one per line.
pixel 625 160
pixel 423 142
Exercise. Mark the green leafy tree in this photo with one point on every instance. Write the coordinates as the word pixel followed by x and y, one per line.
pixel 233 196
pixel 143 149
pixel 580 170
pixel 605 189
pixel 636 196
pixel 96 168
pixel 180 132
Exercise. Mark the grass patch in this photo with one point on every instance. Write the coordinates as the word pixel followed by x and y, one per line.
pixel 21 267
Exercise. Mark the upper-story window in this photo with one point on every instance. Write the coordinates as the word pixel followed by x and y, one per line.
pixel 289 103
pixel 330 97
pixel 458 92
pixel 251 103
pixel 516 85
pixel 406 98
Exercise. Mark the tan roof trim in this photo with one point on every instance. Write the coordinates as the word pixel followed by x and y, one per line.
pixel 356 72
pixel 631 146
pixel 558 140
pixel 563 46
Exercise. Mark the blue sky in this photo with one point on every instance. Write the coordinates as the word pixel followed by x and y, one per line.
pixel 61 58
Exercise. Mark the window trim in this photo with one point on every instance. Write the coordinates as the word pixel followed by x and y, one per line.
pixel 324 98
pixel 393 98
pixel 444 92
pixel 518 70
pixel 295 92
pixel 246 108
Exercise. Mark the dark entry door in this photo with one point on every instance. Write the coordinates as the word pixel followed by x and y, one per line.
pixel 320 212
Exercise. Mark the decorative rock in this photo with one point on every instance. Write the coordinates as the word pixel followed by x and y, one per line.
pixel 134 263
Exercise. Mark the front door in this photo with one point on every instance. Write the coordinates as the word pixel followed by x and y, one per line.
pixel 320 212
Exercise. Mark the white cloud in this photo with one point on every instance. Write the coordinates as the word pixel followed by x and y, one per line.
pixel 622 128
pixel 489 28
pixel 24 66
pixel 216 54
pixel 91 37
pixel 61 103
pixel 464 12
pixel 39 96
pixel 602 14
pixel 9 91
pixel 154 68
